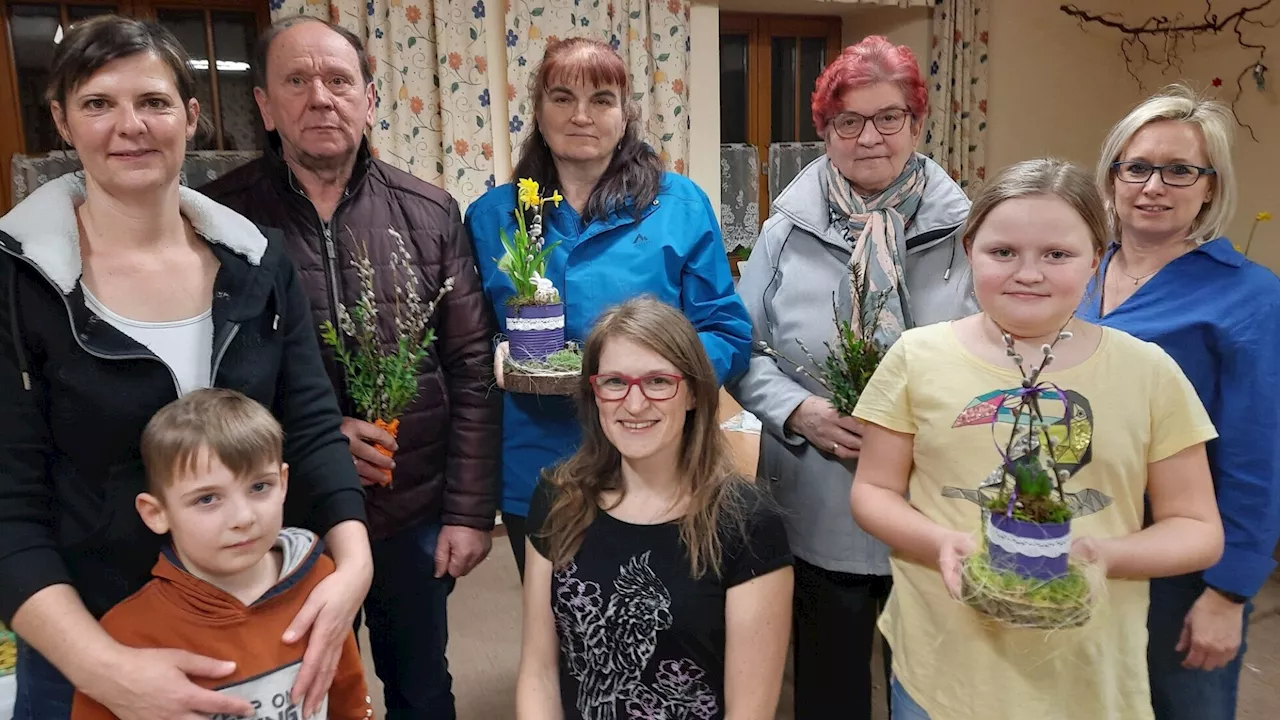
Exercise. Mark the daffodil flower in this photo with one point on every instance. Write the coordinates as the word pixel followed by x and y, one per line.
pixel 556 197
pixel 1261 217
pixel 527 193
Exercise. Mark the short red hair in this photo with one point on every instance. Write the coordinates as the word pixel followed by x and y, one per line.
pixel 874 60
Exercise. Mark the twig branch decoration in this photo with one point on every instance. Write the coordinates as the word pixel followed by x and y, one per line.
pixel 1156 41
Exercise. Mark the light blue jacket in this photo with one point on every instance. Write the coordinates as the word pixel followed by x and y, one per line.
pixel 798 263
pixel 673 252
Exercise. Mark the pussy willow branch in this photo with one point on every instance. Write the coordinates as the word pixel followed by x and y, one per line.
pixel 1168 31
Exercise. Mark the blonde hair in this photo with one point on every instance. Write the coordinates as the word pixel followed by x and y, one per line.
pixel 1042 176
pixel 716 491
pixel 239 432
pixel 1216 123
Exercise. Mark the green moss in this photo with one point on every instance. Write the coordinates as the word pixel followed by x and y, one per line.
pixel 1071 590
pixel 568 360
pixel 1022 602
pixel 1039 510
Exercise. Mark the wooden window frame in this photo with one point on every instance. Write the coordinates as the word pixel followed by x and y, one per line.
pixel 12 136
pixel 760 30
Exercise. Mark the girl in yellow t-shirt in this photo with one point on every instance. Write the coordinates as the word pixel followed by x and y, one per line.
pixel 1034 239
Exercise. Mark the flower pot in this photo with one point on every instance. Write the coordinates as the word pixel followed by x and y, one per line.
pixel 393 429
pixel 1039 551
pixel 535 331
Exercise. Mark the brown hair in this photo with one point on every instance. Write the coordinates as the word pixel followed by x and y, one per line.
pixel 1042 176
pixel 714 489
pixel 239 432
pixel 635 173
pixel 263 47
pixel 91 44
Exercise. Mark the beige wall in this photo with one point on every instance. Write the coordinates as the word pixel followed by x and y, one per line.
pixel 1056 90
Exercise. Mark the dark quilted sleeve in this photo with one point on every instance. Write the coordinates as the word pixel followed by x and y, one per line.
pixel 467 326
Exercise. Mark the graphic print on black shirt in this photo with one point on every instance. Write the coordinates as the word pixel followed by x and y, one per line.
pixel 639 637
pixel 608 648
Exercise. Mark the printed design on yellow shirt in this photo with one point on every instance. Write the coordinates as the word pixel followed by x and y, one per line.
pixel 1071 430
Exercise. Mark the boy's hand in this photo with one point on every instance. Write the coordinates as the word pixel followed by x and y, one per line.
pixel 155 685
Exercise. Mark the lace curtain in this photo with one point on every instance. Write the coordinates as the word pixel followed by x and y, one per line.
pixel 31 171
pixel 786 160
pixel 739 195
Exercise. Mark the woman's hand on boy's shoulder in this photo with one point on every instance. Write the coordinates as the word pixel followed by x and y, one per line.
pixel 157 686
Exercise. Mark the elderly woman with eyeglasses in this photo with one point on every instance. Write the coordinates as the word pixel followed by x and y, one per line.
pixel 873 202
pixel 1171 278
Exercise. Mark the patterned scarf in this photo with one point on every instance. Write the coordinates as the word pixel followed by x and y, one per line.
pixel 874 227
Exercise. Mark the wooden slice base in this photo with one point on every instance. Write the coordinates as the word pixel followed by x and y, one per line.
pixel 518 382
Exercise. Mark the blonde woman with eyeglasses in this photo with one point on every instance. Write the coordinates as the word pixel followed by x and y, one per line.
pixel 1172 278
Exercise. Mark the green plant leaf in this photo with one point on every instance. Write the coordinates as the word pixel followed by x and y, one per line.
pixel 536 12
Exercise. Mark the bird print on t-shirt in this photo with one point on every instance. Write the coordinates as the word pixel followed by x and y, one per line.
pixel 608 648
pixel 1071 433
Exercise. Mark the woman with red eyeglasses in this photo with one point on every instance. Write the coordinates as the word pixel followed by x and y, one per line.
pixel 658 580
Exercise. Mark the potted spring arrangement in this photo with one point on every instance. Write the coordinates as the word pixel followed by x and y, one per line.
pixel 1023 575
pixel 856 353
pixel 538 360
pixel 382 373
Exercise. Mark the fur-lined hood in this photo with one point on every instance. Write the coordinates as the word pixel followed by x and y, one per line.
pixel 45 229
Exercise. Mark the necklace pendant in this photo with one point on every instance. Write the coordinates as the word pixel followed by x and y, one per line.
pixel 1135 281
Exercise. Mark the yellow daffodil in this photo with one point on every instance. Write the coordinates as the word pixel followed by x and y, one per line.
pixel 1261 217
pixel 527 193
pixel 556 197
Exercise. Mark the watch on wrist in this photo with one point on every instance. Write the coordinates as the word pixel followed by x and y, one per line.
pixel 1233 597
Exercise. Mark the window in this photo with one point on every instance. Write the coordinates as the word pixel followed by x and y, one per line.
pixel 219 35
pixel 768 67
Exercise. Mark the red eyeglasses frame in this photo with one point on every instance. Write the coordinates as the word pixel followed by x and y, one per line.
pixel 637 382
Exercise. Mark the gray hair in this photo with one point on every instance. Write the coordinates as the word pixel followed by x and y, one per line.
pixel 1216 123
pixel 263 48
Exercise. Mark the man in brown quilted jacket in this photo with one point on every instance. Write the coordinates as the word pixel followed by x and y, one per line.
pixel 319 184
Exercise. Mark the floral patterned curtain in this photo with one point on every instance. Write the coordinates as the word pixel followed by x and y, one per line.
pixel 652 36
pixel 955 134
pixel 432 76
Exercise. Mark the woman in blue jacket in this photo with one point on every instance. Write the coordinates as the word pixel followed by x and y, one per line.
pixel 626 228
pixel 1172 279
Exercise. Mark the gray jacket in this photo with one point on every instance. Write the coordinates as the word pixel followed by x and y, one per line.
pixel 788 284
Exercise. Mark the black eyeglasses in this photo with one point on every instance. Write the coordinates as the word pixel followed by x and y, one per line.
pixel 889 121
pixel 1179 175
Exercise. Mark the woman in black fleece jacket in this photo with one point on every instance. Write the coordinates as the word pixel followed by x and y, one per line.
pixel 81 374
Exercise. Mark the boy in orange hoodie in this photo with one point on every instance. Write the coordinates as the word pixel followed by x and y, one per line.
pixel 233 578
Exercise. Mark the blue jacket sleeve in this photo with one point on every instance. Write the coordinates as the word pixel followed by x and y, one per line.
pixel 482 227
pixel 711 303
pixel 1246 458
